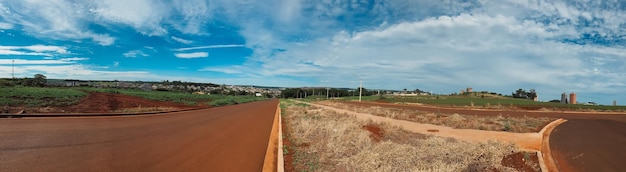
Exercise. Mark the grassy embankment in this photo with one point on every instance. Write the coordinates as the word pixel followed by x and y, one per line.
pixel 41 97
pixel 323 140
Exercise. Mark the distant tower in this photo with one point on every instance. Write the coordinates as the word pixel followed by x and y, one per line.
pixel 572 98
pixel 536 98
pixel 564 98
pixel 614 102
pixel 469 89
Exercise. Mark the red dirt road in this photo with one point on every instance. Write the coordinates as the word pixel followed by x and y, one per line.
pixel 586 142
pixel 232 138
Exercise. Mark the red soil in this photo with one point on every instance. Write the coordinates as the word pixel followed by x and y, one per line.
pixel 287 157
pixel 518 161
pixel 376 133
pixel 98 102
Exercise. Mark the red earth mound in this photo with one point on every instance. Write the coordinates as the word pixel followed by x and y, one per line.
pixel 522 161
pixel 376 133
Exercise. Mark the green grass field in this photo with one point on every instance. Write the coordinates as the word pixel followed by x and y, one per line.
pixel 485 102
pixel 35 96
pixel 41 97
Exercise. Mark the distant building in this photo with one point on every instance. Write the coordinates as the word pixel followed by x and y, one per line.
pixel 469 90
pixel 572 98
pixel 614 102
pixel 564 98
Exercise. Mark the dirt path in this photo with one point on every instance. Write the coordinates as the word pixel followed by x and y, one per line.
pixel 232 138
pixel 587 142
pixel 526 141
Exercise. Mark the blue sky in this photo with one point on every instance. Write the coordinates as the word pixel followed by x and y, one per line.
pixel 440 46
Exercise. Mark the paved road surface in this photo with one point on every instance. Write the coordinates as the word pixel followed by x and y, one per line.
pixel 590 145
pixel 586 142
pixel 232 138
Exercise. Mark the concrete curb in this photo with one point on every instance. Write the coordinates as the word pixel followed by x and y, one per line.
pixel 93 114
pixel 546 161
pixel 274 155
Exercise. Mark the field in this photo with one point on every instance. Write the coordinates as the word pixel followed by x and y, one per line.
pixel 99 100
pixel 35 96
pixel 487 102
pixel 323 140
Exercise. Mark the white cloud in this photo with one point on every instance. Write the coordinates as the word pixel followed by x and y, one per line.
pixel 192 55
pixel 116 64
pixel 34 50
pixel 225 69
pixel 40 62
pixel 496 53
pixel 74 59
pixel 55 19
pixel 210 47
pixel 143 15
pixel 195 14
pixel 181 40
pixel 135 53
pixel 6 26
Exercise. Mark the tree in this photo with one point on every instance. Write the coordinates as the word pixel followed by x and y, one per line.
pixel 523 94
pixel 532 94
pixel 520 94
pixel 39 80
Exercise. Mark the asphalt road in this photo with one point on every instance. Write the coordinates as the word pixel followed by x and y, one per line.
pixel 232 138
pixel 586 142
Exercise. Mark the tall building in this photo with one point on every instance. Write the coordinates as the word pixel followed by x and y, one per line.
pixel 572 98
pixel 614 102
pixel 564 98
pixel 469 89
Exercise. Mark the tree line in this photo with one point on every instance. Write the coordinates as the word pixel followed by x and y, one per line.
pixel 38 80
pixel 332 92
pixel 523 94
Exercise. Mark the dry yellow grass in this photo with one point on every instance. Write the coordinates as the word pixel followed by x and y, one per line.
pixel 500 123
pixel 327 141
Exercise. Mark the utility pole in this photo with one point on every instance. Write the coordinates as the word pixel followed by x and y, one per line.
pixel 327 95
pixel 13 69
pixel 360 88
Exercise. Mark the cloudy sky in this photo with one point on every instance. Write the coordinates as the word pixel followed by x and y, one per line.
pixel 441 46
